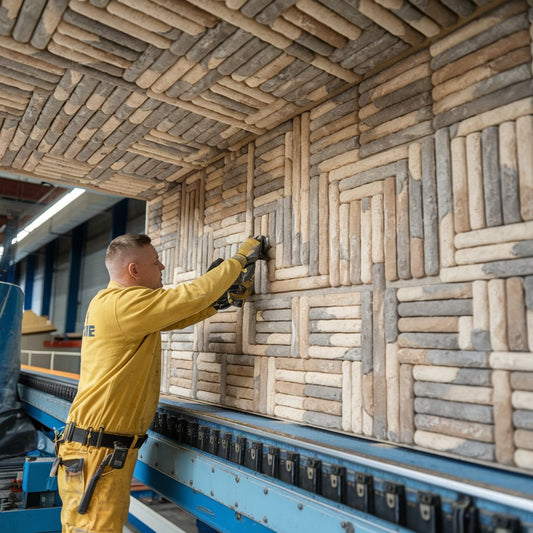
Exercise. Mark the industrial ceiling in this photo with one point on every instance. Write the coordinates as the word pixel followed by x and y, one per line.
pixel 128 97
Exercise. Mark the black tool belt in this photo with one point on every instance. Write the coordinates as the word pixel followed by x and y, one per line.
pixel 99 438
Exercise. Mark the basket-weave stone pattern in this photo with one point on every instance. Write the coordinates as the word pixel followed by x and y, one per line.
pixel 385 146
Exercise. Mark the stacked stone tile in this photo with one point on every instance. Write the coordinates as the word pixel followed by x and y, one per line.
pixel 89 91
pixel 396 105
pixel 397 302
pixel 484 65
pixel 306 393
pixel 334 133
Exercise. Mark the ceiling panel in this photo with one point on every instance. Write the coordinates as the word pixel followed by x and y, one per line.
pixel 130 96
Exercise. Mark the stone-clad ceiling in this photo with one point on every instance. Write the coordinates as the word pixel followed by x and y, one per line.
pixel 130 96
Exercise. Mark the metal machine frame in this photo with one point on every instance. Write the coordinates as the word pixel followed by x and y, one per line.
pixel 240 472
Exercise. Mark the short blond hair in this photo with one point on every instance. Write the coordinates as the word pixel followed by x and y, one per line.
pixel 123 244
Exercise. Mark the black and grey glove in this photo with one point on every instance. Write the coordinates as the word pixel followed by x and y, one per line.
pixel 222 302
pixel 253 249
pixel 243 286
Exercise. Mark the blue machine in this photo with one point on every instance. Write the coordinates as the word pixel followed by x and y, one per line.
pixel 39 507
pixel 238 472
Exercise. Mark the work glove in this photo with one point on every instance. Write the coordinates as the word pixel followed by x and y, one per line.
pixel 241 288
pixel 223 301
pixel 253 249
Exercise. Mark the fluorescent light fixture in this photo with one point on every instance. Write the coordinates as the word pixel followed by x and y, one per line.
pixel 50 212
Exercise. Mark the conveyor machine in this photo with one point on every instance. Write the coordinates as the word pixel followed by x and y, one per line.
pixel 238 472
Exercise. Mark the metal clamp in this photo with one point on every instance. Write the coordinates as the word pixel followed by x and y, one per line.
pixel 88 436
pixel 100 437
pixel 69 431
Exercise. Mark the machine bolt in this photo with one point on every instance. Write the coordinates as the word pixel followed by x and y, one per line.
pixel 265 519
pixel 212 493
pixel 348 527
pixel 237 479
pixel 236 504
pixel 300 506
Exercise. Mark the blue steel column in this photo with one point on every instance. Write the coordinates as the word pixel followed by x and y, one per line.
pixel 15 274
pixel 28 280
pixel 119 218
pixel 78 242
pixel 49 262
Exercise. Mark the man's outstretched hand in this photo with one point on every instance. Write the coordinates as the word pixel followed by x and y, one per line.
pixel 250 251
pixel 255 248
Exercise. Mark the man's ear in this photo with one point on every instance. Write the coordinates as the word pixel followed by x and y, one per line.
pixel 133 270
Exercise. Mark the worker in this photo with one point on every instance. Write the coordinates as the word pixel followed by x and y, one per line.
pixel 119 383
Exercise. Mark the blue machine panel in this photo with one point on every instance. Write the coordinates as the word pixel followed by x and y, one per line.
pixel 44 520
pixel 271 505
pixel 241 472
pixel 36 477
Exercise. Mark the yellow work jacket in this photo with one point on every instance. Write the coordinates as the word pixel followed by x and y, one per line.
pixel 121 348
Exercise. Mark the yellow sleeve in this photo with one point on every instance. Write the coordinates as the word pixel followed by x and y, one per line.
pixel 141 311
pixel 198 317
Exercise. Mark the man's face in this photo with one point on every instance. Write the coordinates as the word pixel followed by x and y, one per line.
pixel 149 268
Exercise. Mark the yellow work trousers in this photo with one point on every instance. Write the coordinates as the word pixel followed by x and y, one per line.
pixel 108 508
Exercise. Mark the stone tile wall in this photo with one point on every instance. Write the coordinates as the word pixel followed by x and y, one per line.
pixel 398 300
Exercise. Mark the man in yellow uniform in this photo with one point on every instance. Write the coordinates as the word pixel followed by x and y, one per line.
pixel 119 382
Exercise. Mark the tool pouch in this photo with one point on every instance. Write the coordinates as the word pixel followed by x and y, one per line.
pixel 73 467
pixel 71 480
